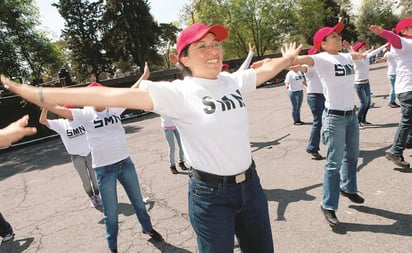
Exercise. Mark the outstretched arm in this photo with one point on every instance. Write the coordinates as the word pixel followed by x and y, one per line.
pixel 144 76
pixel 388 35
pixel 268 68
pixel 96 96
pixel 248 60
pixel 15 131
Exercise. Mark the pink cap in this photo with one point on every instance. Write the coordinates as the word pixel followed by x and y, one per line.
pixel 196 32
pixel 358 45
pixel 323 32
pixel 94 84
pixel 313 51
pixel 406 22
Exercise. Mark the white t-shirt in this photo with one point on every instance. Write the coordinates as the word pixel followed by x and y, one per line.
pixel 403 82
pixel 295 80
pixel 72 134
pixel 313 81
pixel 336 73
pixel 391 62
pixel 362 65
pixel 105 134
pixel 211 117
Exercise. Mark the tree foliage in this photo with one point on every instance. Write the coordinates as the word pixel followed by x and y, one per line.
pixel 24 51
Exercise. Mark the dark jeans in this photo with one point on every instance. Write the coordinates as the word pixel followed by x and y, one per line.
pixel 5 227
pixel 219 211
pixel 403 135
pixel 316 104
pixel 364 93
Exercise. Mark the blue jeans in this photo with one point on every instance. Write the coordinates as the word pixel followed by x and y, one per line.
pixel 171 141
pixel 341 136
pixel 403 135
pixel 218 212
pixel 392 95
pixel 364 94
pixel 317 105
pixel 107 177
pixel 296 99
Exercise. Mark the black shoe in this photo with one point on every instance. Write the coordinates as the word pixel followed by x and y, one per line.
pixel 397 160
pixel 173 169
pixel 112 250
pixel 330 217
pixel 394 105
pixel 155 235
pixel 366 122
pixel 315 154
pixel 299 123
pixel 408 146
pixel 354 197
pixel 182 166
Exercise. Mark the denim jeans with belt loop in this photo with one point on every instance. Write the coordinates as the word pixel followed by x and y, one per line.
pixel 219 211
pixel 316 104
pixel 341 136
pixel 403 135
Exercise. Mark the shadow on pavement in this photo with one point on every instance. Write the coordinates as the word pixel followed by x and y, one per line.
pixel 401 226
pixel 284 197
pixel 16 246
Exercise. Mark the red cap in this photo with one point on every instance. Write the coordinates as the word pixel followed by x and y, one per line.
pixel 94 84
pixel 406 22
pixel 313 51
pixel 225 66
pixel 358 45
pixel 196 32
pixel 323 32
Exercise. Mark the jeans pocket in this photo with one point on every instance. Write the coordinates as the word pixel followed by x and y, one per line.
pixel 204 191
pixel 101 172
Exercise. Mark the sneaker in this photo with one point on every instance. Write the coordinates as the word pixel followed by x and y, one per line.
pixel 112 250
pixel 93 201
pixel 8 237
pixel 397 160
pixel 330 217
pixel 173 169
pixel 315 155
pixel 361 125
pixel 354 197
pixel 299 123
pixel 393 105
pixel 182 166
pixel 154 235
pixel 366 122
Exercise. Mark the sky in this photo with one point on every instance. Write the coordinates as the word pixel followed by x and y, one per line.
pixel 164 11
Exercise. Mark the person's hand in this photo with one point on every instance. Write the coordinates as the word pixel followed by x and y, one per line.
pixel 258 64
pixel 291 52
pixel 251 48
pixel 15 131
pixel 377 30
pixel 173 59
pixel 345 44
pixel 146 72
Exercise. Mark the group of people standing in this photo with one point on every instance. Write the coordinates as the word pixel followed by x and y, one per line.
pixel 208 108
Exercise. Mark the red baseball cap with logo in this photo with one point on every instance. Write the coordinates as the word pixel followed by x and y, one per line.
pixel 358 45
pixel 196 32
pixel 323 32
pixel 404 23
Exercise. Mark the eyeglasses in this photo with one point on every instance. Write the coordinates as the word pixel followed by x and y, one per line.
pixel 203 47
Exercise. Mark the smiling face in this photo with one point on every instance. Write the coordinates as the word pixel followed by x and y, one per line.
pixel 204 57
pixel 332 43
pixel 407 31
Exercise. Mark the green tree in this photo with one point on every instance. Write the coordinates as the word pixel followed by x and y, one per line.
pixel 406 8
pixel 263 23
pixel 24 51
pixel 375 12
pixel 131 32
pixel 82 33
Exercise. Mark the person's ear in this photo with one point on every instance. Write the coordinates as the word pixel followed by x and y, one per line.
pixel 185 61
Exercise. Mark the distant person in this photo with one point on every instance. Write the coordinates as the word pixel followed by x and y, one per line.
pixel 73 136
pixel 401 43
pixel 389 57
pixel 294 83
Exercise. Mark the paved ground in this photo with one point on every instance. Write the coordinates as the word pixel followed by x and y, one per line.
pixel 42 197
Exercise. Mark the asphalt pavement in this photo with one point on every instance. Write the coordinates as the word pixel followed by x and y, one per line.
pixel 42 197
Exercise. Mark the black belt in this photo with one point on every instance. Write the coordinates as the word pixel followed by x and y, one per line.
pixel 341 113
pixel 215 179
pixel 314 94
